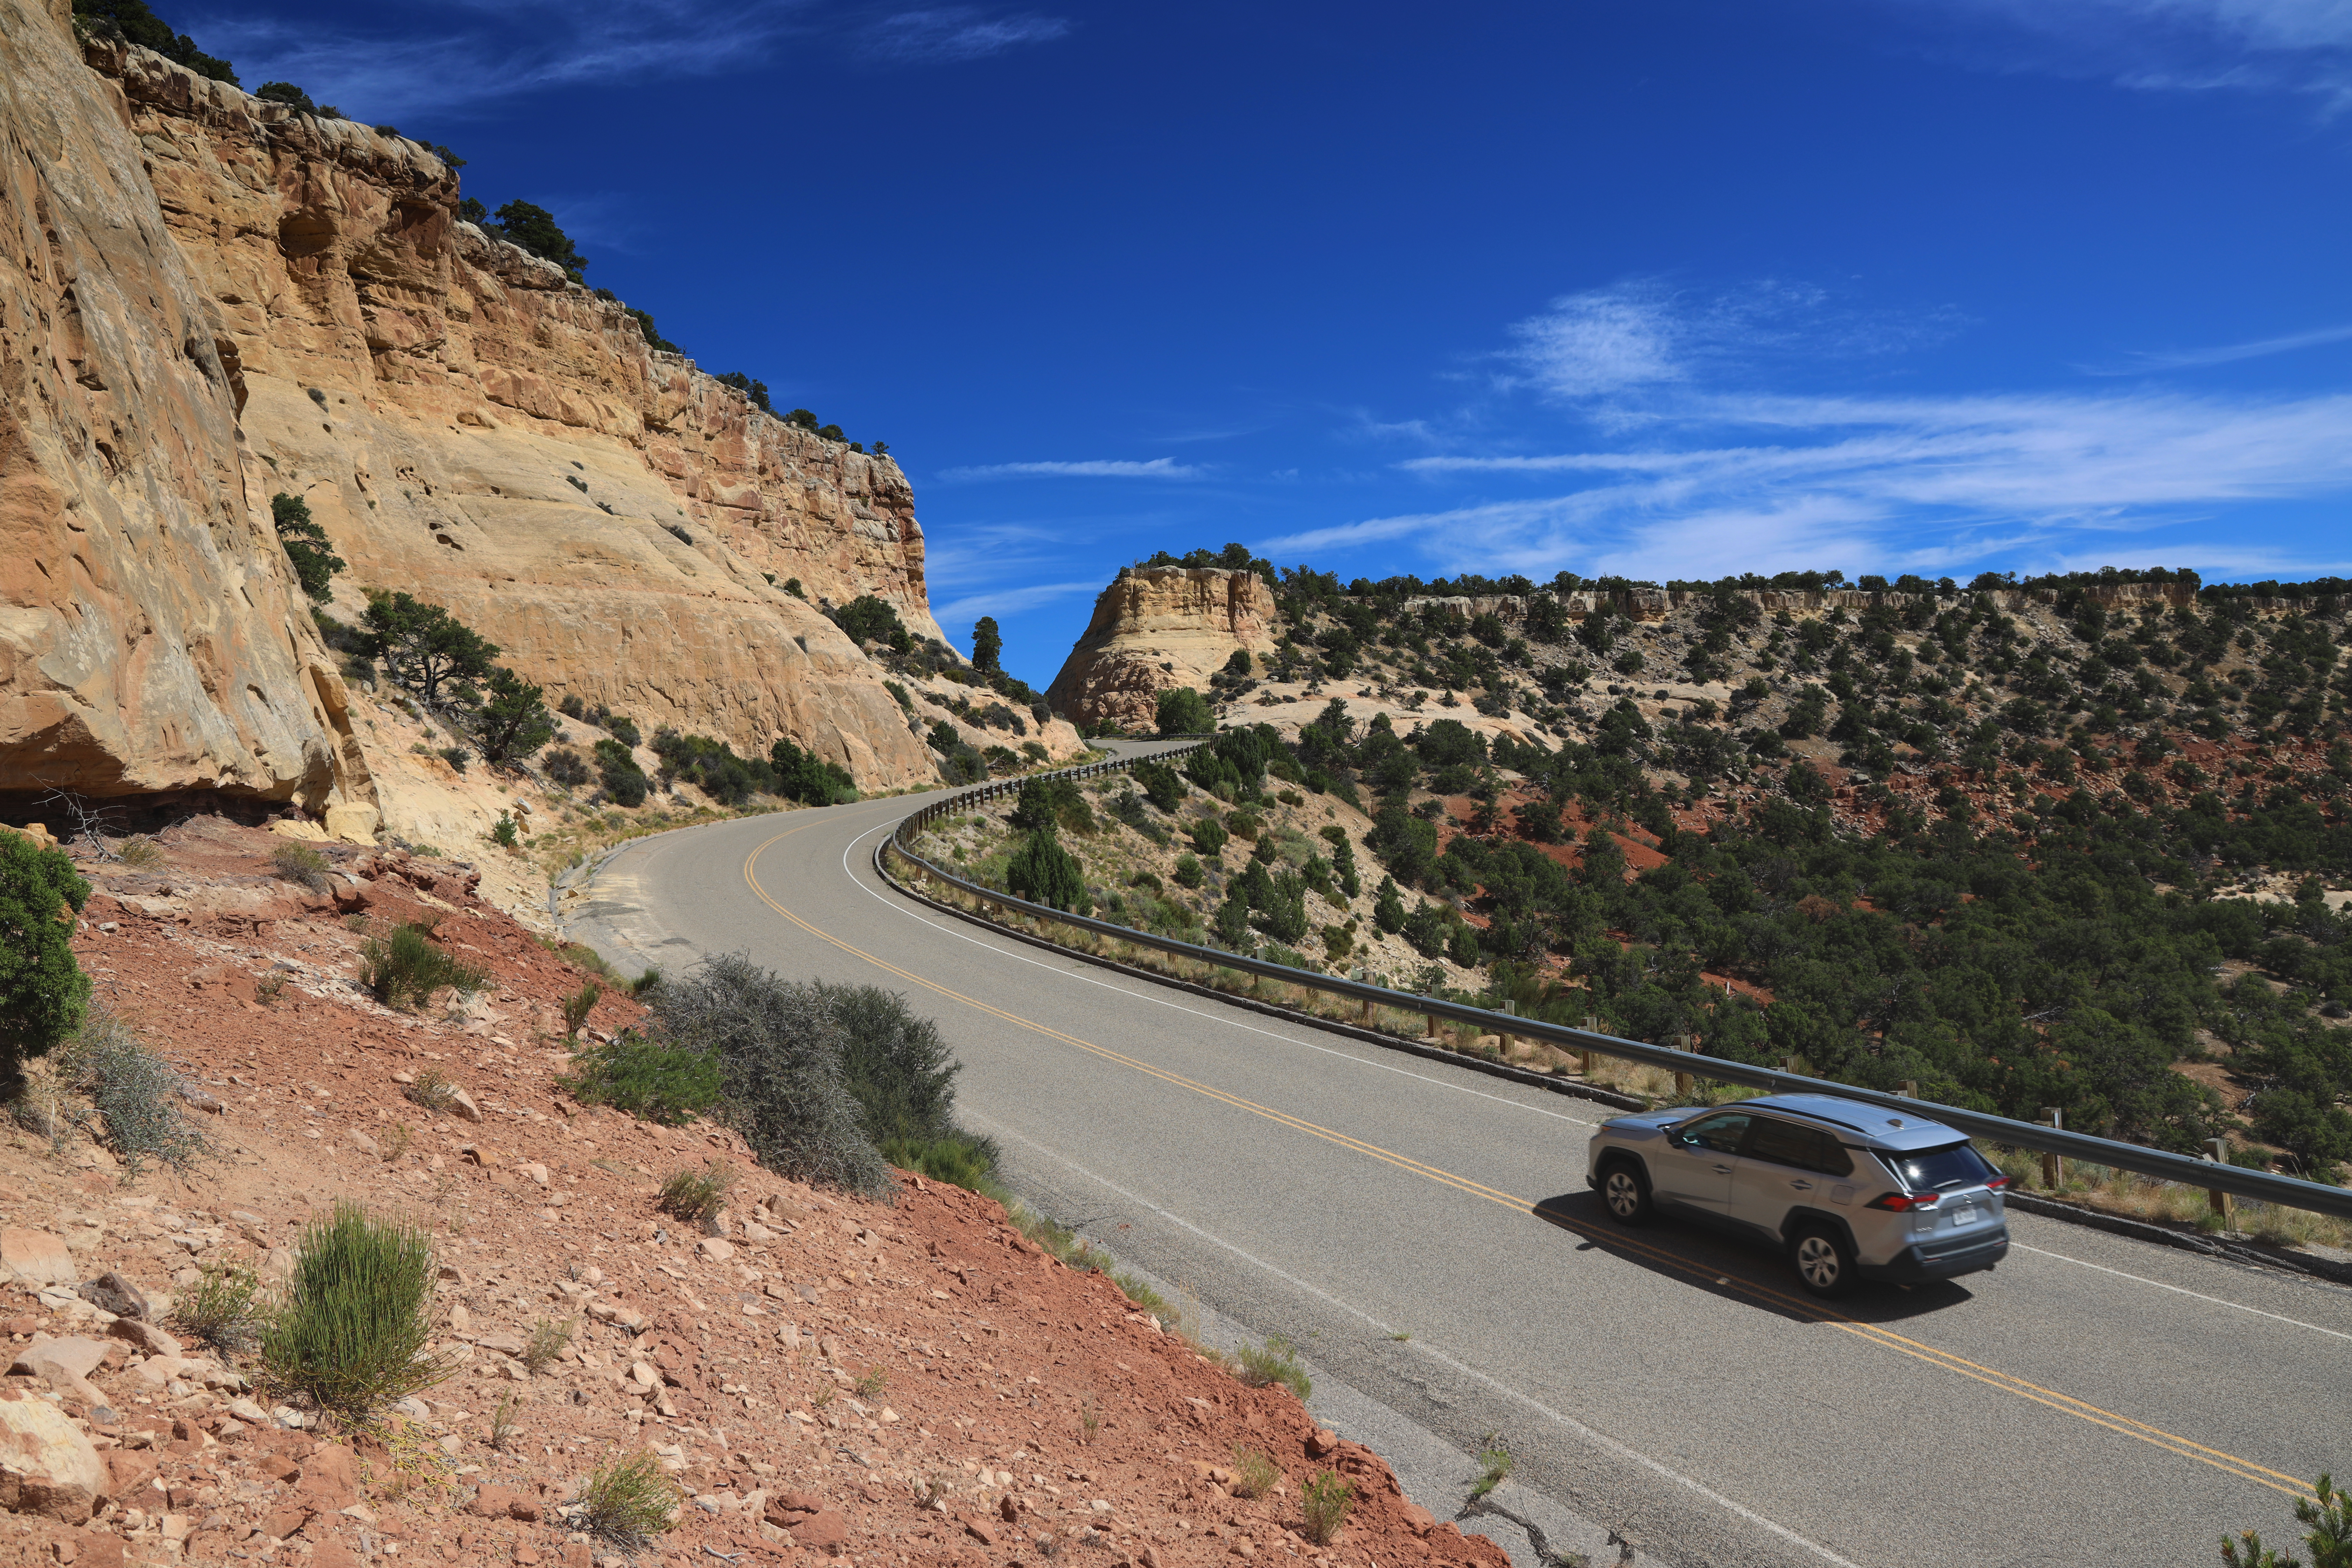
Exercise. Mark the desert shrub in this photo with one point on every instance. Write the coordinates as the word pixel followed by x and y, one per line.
pixel 1044 872
pixel 804 776
pixel 42 991
pixel 893 1062
pixel 695 1196
pixel 1324 1502
pixel 1254 1472
pixel 578 1005
pixel 1209 836
pixel 780 1055
pixel 223 1308
pixel 512 723
pixel 647 1076
pixel 135 1093
pixel 1187 870
pixel 563 766
pixel 140 853
pixel 548 1337
pixel 869 619
pixel 628 1500
pixel 353 1333
pixel 404 969
pixel 301 863
pixel 433 1090
pixel 618 771
pixel 505 834
pixel 958 1158
pixel 1184 711
pixel 1276 1360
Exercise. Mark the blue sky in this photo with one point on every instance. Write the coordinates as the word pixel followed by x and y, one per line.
pixel 1666 287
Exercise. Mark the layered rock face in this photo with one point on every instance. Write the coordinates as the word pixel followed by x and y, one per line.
pixel 151 638
pixel 213 300
pixel 1154 629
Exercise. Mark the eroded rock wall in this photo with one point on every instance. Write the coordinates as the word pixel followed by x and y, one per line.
pixel 1156 628
pixel 152 639
pixel 211 299
pixel 472 426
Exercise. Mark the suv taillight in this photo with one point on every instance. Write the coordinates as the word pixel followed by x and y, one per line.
pixel 1996 1183
pixel 1903 1202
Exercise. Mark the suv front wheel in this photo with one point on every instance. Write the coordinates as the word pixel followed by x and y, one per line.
pixel 1824 1263
pixel 1626 1192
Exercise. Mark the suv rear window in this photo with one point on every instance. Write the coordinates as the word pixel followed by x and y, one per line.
pixel 1935 1170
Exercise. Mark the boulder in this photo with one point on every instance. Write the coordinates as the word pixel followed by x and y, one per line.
pixel 146 1336
pixel 826 1531
pixel 111 1292
pixel 46 1466
pixel 36 1258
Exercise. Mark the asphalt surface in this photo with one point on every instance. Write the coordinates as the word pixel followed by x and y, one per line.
pixel 1424 1234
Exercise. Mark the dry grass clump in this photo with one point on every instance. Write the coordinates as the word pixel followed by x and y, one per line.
pixel 696 1196
pixel 628 1500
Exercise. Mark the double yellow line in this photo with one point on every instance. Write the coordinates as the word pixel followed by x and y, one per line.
pixel 1800 1307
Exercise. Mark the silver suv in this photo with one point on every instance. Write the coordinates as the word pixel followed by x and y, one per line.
pixel 1851 1191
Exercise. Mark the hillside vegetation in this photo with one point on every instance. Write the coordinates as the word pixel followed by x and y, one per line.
pixel 2077 843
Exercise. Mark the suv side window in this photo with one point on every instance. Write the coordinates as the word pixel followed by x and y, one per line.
pixel 1783 1144
pixel 1721 1134
pixel 1806 1148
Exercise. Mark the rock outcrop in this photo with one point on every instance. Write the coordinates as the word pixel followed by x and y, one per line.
pixel 1156 628
pixel 212 300
pixel 150 636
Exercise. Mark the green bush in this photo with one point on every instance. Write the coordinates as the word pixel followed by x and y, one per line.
pixel 647 1078
pixel 512 723
pixel 301 864
pixel 893 1062
pixel 618 771
pixel 505 834
pixel 1184 711
pixel 404 968
pixel 1187 870
pixel 1209 836
pixel 1276 1360
pixel 563 766
pixel 959 1159
pixel 307 548
pixel 1161 785
pixel 42 991
pixel 534 229
pixel 808 778
pixel 779 1053
pixel 135 1093
pixel 628 1500
pixel 223 1310
pixel 696 1196
pixel 1044 872
pixel 1324 1502
pixel 353 1333
pixel 578 1005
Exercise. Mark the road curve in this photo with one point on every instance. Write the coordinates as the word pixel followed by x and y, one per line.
pixel 1424 1232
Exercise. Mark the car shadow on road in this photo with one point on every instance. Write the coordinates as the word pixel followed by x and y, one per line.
pixel 1732 1270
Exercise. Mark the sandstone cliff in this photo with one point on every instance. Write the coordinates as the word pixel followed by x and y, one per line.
pixel 1154 629
pixel 150 636
pixel 212 298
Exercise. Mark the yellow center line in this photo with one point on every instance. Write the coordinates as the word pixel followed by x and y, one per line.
pixel 2244 1469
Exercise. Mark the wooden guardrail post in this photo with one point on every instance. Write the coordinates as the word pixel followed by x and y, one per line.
pixel 1510 1009
pixel 2221 1202
pixel 1430 1033
pixel 1908 1089
pixel 1585 1057
pixel 1683 1083
pixel 2054 1164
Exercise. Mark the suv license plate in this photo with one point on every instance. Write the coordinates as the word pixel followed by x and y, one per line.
pixel 1961 1217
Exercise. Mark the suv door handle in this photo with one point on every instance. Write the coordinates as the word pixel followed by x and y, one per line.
pixel 1802 1186
pixel 1723 1170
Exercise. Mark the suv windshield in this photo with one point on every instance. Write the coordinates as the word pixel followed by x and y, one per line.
pixel 1938 1170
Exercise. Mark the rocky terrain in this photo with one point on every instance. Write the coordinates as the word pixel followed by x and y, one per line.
pixel 1155 628
pixel 212 299
pixel 824 1378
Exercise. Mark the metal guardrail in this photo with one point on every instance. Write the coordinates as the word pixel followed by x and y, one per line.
pixel 2215 1176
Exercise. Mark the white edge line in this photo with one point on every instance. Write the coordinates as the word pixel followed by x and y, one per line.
pixel 2217 1301
pixel 1175 1005
pixel 1599 1439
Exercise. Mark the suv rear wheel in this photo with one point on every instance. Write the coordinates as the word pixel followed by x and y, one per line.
pixel 1824 1263
pixel 1626 1191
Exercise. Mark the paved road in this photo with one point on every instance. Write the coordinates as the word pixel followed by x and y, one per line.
pixel 2097 1400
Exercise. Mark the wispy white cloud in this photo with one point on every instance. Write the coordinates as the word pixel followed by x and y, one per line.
pixel 953 33
pixel 2228 354
pixel 1088 468
pixel 958 613
pixel 480 55
pixel 1716 478
pixel 1645 334
pixel 2301 47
